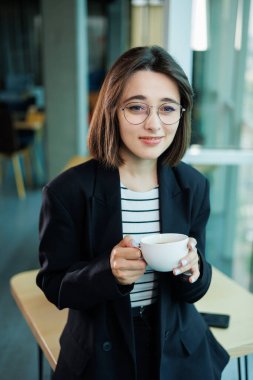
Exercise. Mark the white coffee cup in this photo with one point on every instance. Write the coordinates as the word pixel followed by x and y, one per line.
pixel 162 252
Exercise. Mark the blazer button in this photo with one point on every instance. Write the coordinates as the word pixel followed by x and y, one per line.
pixel 107 346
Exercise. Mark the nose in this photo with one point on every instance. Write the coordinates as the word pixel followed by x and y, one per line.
pixel 153 121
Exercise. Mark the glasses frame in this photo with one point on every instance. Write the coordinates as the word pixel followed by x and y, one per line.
pixel 182 110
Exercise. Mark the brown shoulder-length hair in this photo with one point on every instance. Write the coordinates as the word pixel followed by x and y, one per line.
pixel 104 138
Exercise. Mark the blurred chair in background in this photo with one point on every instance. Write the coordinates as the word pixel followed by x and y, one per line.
pixel 76 160
pixel 32 125
pixel 13 146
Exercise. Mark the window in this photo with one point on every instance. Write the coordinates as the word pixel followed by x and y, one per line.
pixel 223 119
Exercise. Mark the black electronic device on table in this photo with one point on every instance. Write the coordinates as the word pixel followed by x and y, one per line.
pixel 216 320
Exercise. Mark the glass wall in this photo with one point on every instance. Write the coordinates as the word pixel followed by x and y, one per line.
pixel 223 119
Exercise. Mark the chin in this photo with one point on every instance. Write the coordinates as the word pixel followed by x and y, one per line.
pixel 150 156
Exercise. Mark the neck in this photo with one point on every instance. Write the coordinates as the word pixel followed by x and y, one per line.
pixel 139 177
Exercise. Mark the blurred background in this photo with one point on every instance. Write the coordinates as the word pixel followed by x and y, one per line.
pixel 53 58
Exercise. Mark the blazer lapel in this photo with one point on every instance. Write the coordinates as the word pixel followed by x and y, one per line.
pixel 172 209
pixel 107 232
pixel 106 211
pixel 172 202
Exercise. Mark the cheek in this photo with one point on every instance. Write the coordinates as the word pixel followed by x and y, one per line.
pixel 126 136
pixel 126 130
pixel 172 130
pixel 121 128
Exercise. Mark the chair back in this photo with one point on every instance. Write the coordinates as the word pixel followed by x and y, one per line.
pixel 8 138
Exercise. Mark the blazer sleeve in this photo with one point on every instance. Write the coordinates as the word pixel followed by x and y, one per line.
pixel 200 211
pixel 69 277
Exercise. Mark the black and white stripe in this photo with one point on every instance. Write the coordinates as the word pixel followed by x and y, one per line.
pixel 140 216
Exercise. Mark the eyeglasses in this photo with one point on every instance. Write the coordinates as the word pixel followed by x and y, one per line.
pixel 137 113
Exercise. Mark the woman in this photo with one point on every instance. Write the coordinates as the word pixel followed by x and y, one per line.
pixel 125 320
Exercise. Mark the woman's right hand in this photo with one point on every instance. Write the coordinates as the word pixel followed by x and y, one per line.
pixel 126 262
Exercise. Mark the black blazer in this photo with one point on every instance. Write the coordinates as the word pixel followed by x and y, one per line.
pixel 80 223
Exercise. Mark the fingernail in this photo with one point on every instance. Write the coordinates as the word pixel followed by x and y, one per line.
pixel 193 279
pixel 177 271
pixel 184 262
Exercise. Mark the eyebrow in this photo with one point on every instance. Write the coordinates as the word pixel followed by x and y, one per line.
pixel 142 97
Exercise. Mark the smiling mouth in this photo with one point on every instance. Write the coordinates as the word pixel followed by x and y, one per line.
pixel 151 138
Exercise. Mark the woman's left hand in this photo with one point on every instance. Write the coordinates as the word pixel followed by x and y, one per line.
pixel 189 264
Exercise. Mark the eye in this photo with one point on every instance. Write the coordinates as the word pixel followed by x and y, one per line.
pixel 168 108
pixel 136 107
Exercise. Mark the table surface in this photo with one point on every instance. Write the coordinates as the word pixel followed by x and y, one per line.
pixel 224 296
pixel 44 319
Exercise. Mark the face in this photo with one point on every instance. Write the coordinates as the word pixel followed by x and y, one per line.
pixel 147 140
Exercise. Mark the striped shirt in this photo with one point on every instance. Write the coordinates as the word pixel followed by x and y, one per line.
pixel 140 217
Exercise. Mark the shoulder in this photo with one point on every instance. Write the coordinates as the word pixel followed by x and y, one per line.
pixel 76 175
pixel 82 182
pixel 74 182
pixel 187 176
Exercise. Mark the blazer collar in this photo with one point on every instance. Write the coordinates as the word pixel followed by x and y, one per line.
pixel 170 194
pixel 106 197
pixel 107 185
pixel 168 184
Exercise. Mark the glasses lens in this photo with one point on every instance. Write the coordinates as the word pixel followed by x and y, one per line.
pixel 169 113
pixel 136 113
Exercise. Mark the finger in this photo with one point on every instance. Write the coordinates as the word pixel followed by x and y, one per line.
pixel 186 263
pixel 192 272
pixel 192 242
pixel 195 274
pixel 190 259
pixel 127 241
pixel 127 253
pixel 129 265
pixel 130 273
pixel 127 278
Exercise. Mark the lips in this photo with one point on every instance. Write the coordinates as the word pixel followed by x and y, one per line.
pixel 151 140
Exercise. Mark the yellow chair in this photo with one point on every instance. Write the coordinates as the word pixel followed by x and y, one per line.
pixel 76 160
pixel 15 159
